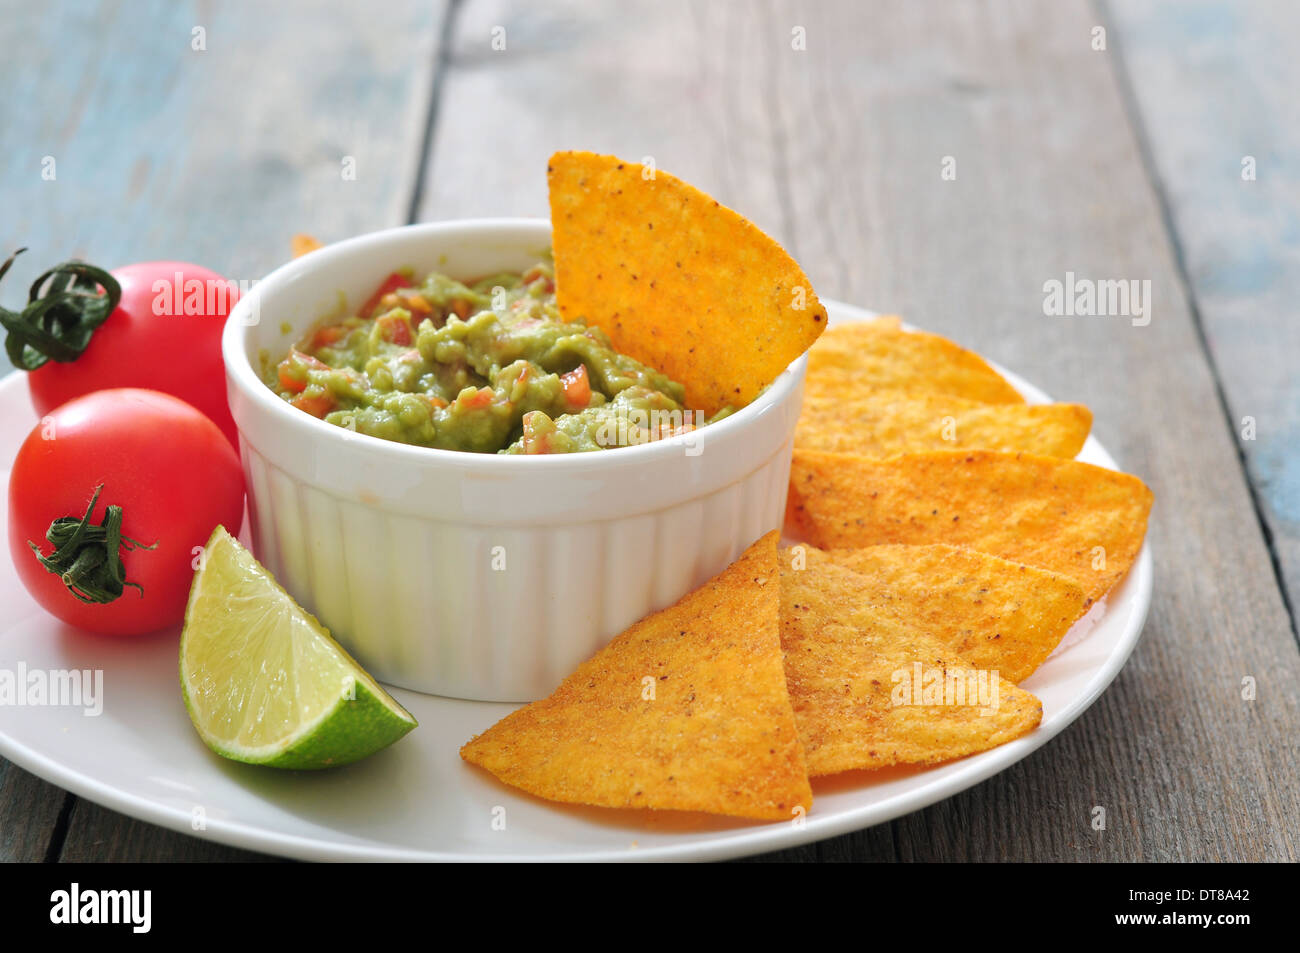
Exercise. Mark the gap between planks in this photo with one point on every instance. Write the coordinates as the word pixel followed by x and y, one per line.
pixel 1133 112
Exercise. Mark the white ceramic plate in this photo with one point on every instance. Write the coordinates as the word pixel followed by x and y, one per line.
pixel 418 800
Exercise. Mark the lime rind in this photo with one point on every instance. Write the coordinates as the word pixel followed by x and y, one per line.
pixel 264 682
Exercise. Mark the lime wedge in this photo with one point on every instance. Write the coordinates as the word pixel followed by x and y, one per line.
pixel 263 681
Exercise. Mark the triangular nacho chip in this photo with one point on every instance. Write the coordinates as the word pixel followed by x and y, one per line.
pixel 883 423
pixel 881 322
pixel 869 691
pixel 997 614
pixel 687 710
pixel 1082 521
pixel 675 279
pixel 863 355
pixel 304 244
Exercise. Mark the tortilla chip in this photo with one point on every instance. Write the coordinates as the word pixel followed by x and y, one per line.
pixel 677 280
pixel 884 423
pixel 881 322
pixel 1082 521
pixel 997 614
pixel 717 735
pixel 864 356
pixel 858 679
pixel 303 244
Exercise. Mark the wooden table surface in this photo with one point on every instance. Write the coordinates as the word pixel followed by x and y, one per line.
pixel 1171 154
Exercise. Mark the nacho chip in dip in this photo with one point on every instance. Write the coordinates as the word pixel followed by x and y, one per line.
pixel 687 710
pixel 677 280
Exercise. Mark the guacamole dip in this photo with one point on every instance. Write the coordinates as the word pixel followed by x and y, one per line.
pixel 487 367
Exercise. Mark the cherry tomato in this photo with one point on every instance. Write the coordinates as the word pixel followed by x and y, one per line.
pixel 165 334
pixel 167 466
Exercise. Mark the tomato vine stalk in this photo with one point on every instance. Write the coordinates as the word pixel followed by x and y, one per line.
pixel 87 557
pixel 65 306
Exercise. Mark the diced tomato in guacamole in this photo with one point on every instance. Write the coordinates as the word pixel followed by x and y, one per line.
pixel 487 366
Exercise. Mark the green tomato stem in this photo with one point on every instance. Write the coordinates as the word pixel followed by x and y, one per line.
pixel 64 309
pixel 88 558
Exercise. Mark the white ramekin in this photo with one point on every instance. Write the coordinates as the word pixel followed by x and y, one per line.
pixel 476 575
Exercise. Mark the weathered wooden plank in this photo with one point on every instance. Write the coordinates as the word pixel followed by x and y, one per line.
pixel 839 150
pixel 284 121
pixel 1049 180
pixel 29 811
pixel 839 154
pixel 98 835
pixel 805 854
pixel 651 78
pixel 1215 87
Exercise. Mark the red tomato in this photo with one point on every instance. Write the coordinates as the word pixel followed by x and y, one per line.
pixel 391 283
pixel 326 337
pixel 396 330
pixel 292 371
pixel 577 388
pixel 318 405
pixel 164 335
pixel 167 466
pixel 476 399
